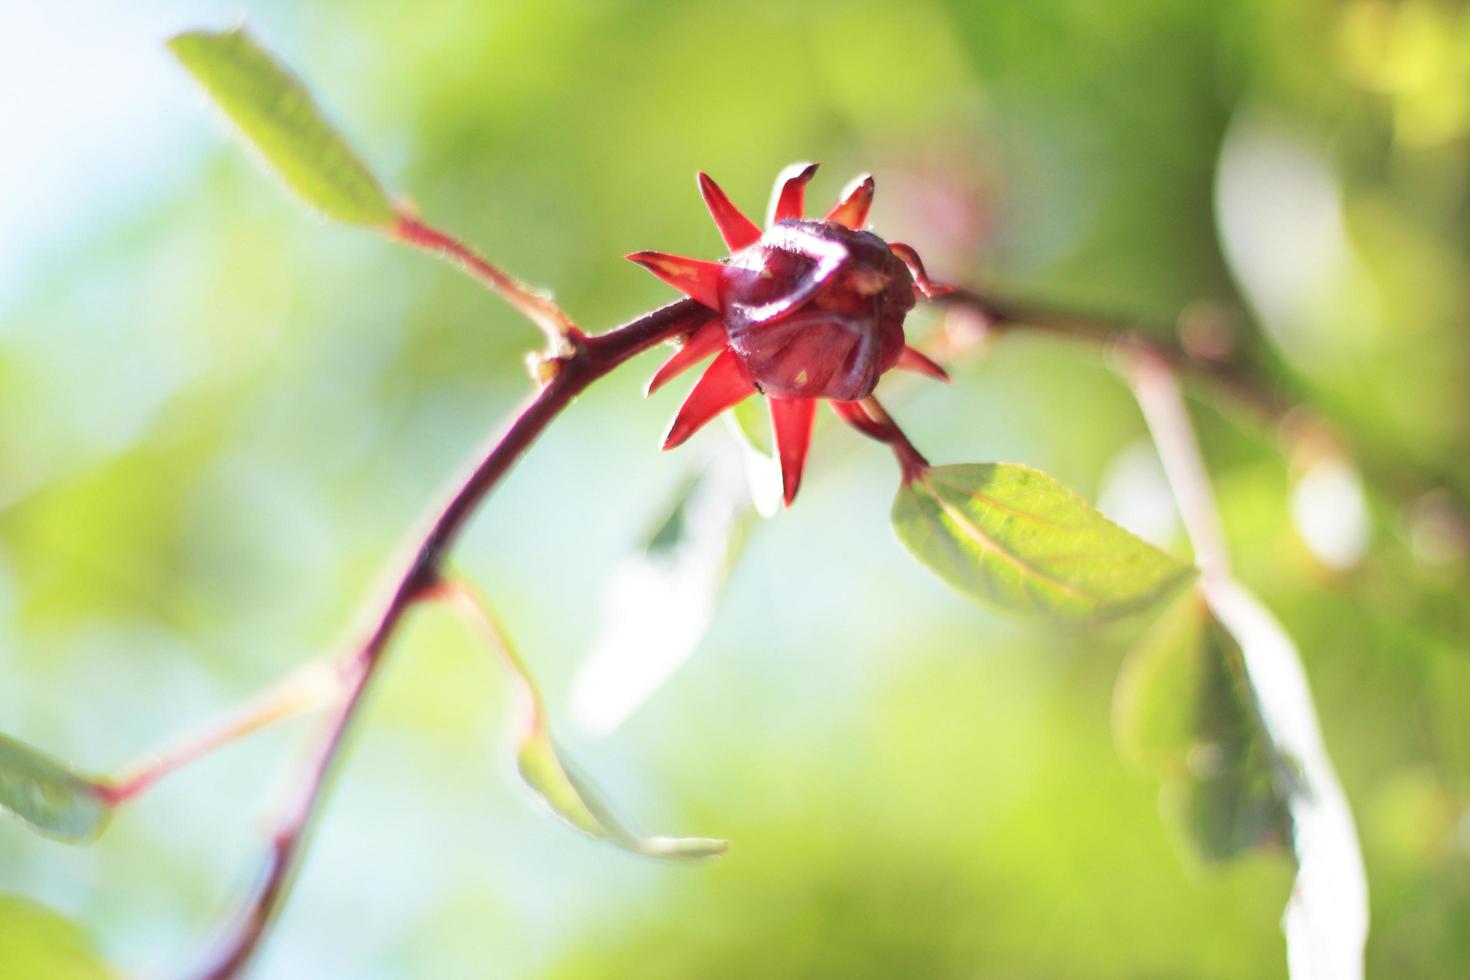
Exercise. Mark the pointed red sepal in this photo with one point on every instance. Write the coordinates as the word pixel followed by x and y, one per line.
pixel 736 229
pixel 704 341
pixel 788 199
pixel 926 286
pixel 792 420
pixel 723 384
pixel 913 360
pixel 695 278
pixel 852 207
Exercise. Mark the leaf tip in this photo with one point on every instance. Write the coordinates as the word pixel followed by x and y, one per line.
pixel 274 111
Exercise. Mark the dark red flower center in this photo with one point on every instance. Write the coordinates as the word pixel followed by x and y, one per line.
pixel 816 310
pixel 805 310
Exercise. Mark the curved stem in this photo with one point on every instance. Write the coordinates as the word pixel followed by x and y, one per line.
pixel 588 359
pixel 536 306
pixel 871 419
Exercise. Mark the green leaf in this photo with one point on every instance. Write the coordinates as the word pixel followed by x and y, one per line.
pixel 1155 708
pixel 277 115
pixel 570 797
pixel 1183 709
pixel 550 776
pixel 49 796
pixel 1014 537
pixel 36 942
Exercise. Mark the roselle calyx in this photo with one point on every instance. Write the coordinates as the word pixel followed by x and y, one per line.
pixel 816 310
pixel 807 309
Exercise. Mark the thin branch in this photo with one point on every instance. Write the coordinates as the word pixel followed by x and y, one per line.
pixel 538 307
pixel 589 359
pixel 468 604
pixel 871 419
pixel 1241 384
pixel 1158 395
pixel 313 687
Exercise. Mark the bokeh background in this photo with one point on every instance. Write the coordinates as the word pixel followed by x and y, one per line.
pixel 219 415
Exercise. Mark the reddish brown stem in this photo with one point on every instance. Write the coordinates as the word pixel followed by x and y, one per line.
pixel 1238 383
pixel 587 360
pixel 871 419
pixel 535 305
pixel 316 686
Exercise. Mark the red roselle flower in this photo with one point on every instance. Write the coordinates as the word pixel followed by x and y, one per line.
pixel 808 309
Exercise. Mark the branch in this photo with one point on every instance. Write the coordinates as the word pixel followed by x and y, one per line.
pixel 535 305
pixel 1240 383
pixel 588 359
pixel 1163 409
pixel 315 686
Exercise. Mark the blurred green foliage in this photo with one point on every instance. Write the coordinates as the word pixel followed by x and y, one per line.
pixel 221 417
pixel 1183 708
pixel 38 943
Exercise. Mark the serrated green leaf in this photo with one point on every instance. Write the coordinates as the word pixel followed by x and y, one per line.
pixel 1016 538
pixel 277 115
pixel 1183 709
pixel 36 942
pixel 50 797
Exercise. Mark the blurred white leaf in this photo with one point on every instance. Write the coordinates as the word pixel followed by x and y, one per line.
pixel 1326 919
pixel 750 423
pixel 658 603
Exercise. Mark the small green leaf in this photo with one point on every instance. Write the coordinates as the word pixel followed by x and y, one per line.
pixel 571 798
pixel 1015 537
pixel 1183 709
pixel 544 770
pixel 277 115
pixel 49 796
pixel 36 942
